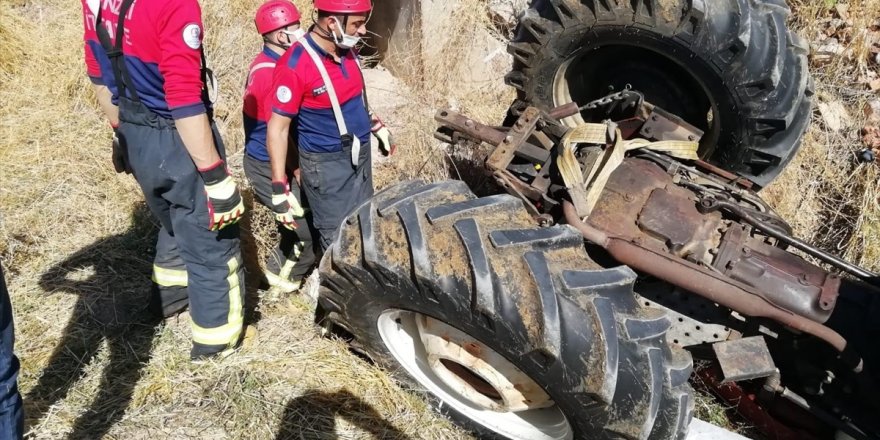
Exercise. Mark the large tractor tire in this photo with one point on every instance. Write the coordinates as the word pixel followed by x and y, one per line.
pixel 512 330
pixel 729 67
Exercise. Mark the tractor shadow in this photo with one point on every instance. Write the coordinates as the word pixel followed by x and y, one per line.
pixel 313 416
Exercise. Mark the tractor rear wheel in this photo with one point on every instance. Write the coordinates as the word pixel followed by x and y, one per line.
pixel 512 329
pixel 732 68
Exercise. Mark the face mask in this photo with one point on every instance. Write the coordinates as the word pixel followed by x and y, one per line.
pixel 344 41
pixel 292 36
pixel 295 35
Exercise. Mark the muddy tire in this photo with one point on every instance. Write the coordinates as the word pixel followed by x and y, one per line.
pixel 729 67
pixel 595 362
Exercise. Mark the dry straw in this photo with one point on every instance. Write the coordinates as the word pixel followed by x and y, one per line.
pixel 76 242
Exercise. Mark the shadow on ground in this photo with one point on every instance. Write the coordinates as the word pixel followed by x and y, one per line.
pixel 466 162
pixel 250 254
pixel 111 279
pixel 313 416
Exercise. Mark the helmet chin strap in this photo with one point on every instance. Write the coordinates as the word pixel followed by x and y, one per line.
pixel 339 39
pixel 326 34
pixel 283 46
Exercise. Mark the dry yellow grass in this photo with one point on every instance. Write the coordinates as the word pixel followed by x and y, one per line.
pixel 76 241
pixel 828 198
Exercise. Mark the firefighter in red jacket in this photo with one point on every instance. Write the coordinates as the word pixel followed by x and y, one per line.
pixel 318 83
pixel 278 21
pixel 151 60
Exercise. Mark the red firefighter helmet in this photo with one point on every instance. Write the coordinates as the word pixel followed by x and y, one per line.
pixel 274 15
pixel 344 6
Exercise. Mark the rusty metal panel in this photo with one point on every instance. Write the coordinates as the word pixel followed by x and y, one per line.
pixel 785 279
pixel 743 359
pixel 674 219
pixel 640 202
pixel 625 194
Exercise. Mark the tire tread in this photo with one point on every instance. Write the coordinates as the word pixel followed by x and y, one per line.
pixel 575 327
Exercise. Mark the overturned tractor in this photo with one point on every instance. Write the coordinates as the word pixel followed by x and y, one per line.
pixel 624 239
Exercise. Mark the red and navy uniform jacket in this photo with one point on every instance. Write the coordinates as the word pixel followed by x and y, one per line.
pixel 97 64
pixel 299 93
pixel 162 51
pixel 258 104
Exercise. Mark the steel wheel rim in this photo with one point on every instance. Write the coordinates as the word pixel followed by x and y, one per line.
pixel 400 332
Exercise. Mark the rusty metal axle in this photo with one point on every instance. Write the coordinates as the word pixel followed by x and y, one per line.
pixel 700 281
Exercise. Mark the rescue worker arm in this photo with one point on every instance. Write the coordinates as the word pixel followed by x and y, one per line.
pixel 284 204
pixel 119 154
pixel 180 64
pixel 277 135
pixel 377 127
pixel 195 132
pixel 180 41
pixel 225 205
pixel 105 96
pixel 286 98
pixel 92 50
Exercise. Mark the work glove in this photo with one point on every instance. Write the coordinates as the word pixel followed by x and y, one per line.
pixel 383 135
pixel 119 155
pixel 225 206
pixel 285 205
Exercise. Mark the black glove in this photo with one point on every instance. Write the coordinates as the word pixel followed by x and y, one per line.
pixel 120 154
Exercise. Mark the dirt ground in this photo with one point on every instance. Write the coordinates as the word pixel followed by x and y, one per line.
pixel 77 241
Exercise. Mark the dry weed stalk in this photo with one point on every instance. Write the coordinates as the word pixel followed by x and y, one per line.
pixel 829 198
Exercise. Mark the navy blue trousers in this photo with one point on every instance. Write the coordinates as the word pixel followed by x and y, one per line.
pixel 11 414
pixel 188 255
pixel 334 188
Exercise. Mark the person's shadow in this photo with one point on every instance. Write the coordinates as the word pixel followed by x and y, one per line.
pixel 111 278
pixel 313 416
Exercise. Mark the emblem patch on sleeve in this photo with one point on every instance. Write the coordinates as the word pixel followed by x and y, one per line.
pixel 283 94
pixel 192 36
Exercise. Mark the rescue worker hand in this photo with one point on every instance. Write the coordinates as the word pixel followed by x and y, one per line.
pixel 383 135
pixel 225 206
pixel 119 155
pixel 285 205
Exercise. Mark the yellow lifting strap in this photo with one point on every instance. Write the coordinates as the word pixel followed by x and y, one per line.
pixel 585 189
